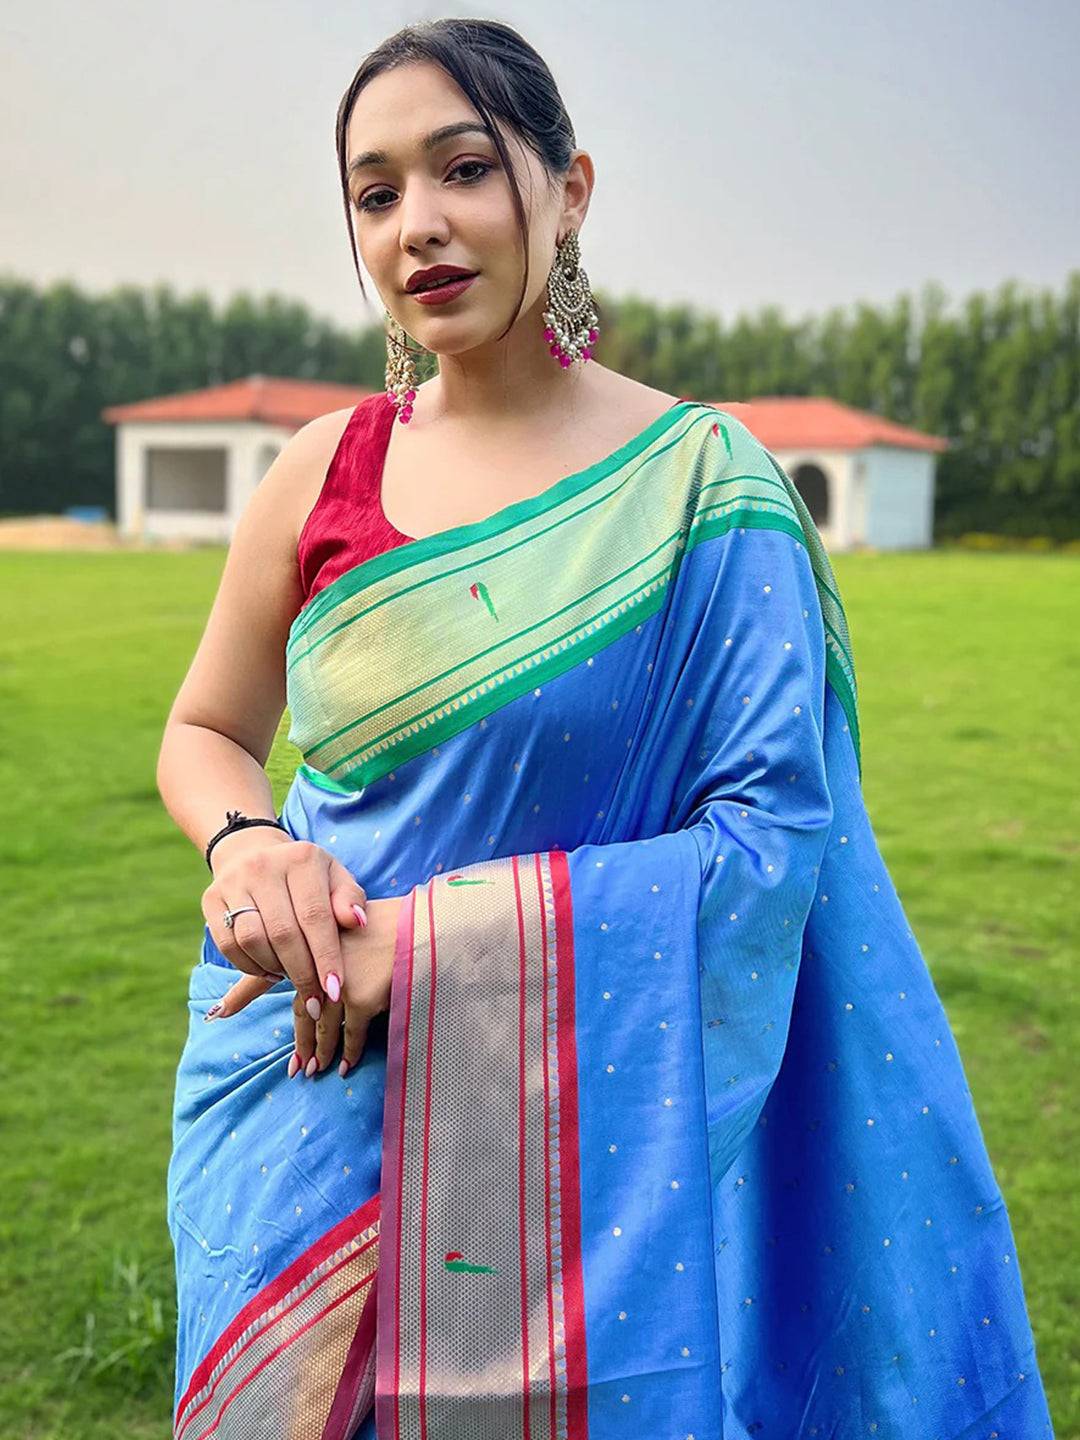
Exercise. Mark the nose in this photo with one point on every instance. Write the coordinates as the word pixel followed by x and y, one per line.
pixel 422 219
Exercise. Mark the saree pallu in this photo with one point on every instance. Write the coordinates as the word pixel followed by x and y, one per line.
pixel 665 1132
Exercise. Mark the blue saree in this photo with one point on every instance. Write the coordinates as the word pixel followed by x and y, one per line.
pixel 665 1133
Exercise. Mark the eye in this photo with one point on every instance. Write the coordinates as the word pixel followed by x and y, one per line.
pixel 482 165
pixel 365 203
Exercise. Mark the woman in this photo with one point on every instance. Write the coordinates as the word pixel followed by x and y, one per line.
pixel 647 1117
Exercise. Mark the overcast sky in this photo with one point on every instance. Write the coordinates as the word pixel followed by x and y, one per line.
pixel 789 153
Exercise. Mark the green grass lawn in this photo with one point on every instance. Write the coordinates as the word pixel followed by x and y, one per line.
pixel 969 673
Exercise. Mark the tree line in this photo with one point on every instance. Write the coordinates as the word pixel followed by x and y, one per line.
pixel 997 374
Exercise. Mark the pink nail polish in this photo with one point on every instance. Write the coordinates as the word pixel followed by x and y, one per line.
pixel 313 1005
pixel 310 1067
pixel 333 986
pixel 294 1065
pixel 212 1011
pixel 360 913
pixel 343 1068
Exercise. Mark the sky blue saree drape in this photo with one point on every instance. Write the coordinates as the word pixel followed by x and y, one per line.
pixel 666 1133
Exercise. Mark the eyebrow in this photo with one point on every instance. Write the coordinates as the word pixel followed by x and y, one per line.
pixel 429 142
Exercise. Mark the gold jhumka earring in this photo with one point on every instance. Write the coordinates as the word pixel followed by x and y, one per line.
pixel 400 369
pixel 571 327
pixel 571 320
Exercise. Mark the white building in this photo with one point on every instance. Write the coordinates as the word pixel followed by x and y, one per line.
pixel 187 464
pixel 866 481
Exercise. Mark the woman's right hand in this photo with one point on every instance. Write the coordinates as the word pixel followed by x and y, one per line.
pixel 303 896
pixel 366 992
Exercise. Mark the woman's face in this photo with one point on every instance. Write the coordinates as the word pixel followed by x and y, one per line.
pixel 450 204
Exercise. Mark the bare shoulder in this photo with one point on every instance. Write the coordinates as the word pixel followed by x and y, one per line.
pixel 628 402
pixel 635 393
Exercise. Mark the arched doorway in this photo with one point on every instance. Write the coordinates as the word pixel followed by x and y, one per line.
pixel 813 485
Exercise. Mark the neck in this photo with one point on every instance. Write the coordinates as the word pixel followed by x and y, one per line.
pixel 508 381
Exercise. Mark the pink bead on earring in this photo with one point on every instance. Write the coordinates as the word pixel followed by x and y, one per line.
pixel 400 370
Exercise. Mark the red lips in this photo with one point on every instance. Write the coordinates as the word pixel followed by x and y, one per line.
pixel 434 272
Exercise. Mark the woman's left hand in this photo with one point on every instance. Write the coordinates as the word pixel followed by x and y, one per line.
pixel 368 962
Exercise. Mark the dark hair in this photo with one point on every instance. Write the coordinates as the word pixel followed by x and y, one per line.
pixel 502 75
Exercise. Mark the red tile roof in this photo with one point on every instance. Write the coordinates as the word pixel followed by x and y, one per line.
pixel 264 398
pixel 780 422
pixel 815 422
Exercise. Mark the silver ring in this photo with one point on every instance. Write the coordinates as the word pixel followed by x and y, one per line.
pixel 227 918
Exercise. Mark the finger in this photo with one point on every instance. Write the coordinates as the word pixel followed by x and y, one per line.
pixel 249 931
pixel 344 894
pixel 237 996
pixel 327 1034
pixel 249 944
pixel 283 930
pixel 304 1030
pixel 308 883
pixel 268 893
pixel 224 937
pixel 355 1037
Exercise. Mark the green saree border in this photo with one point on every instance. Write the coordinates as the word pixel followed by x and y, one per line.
pixel 321 781
pixel 444 542
pixel 505 686
pixel 840 659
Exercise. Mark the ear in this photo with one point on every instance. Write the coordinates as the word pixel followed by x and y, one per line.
pixel 237 996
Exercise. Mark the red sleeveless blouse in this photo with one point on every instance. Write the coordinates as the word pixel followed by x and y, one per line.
pixel 346 525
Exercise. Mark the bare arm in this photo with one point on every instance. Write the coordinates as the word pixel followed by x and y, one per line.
pixel 224 718
pixel 220 730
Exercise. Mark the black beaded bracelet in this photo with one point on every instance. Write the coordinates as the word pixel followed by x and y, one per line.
pixel 237 821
